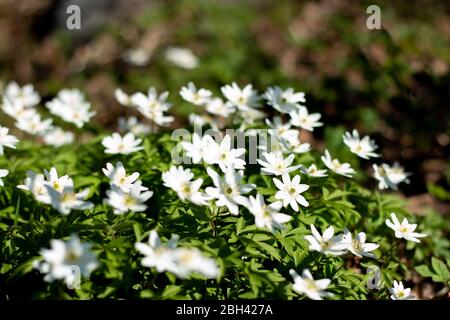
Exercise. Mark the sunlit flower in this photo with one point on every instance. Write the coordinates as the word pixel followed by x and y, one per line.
pixel 138 57
pixel 133 125
pixel 116 144
pixel 336 166
pixel 153 106
pixel 179 180
pixel 389 177
pixel 358 246
pixel 398 292
pixel 192 260
pixel 305 284
pixel 303 119
pixel 34 125
pixel 198 97
pixel 67 260
pixel 290 191
pixel 313 171
pixel 68 200
pixel 118 176
pixel 25 96
pixel 274 163
pixel 218 107
pixel 7 140
pixel 133 200
pixel 224 155
pixel 284 101
pixel 243 99
pixel 198 148
pixel 326 243
pixel 405 229
pixel 363 148
pixel 35 183
pixel 123 98
pixel 181 57
pixel 228 190
pixel 267 215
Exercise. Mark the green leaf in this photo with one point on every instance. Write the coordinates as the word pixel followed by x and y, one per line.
pixel 424 271
pixel 441 270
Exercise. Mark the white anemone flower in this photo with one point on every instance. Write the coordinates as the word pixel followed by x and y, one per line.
pixel 303 119
pixel 399 292
pixel 405 229
pixel 118 176
pixel 284 101
pixel 181 57
pixel 25 96
pixel 7 140
pixel 273 163
pixel 363 148
pixel 336 166
pixel 179 180
pixel 133 200
pixel 224 155
pixel 290 191
pixel 3 173
pixel 243 99
pixel 327 243
pixel 267 216
pixel 198 97
pixel 116 144
pixel 305 284
pixel 358 246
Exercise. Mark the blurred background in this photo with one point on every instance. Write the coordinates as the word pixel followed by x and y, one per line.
pixel 393 83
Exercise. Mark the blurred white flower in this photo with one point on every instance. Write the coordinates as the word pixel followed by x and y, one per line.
pixel 243 99
pixel 191 260
pixel 122 98
pixel 284 101
pixel 133 125
pixel 301 118
pixel 267 215
pixel 336 166
pixel 326 243
pixel 3 173
pixel 363 148
pixel 274 163
pixel 34 125
pixel 181 57
pixel 71 106
pixel 228 190
pixel 389 177
pixel 290 191
pixel 398 292
pixel 313 171
pixel 67 200
pixel 218 107
pixel 198 97
pixel 132 200
pixel 116 144
pixel 136 56
pixel 153 106
pixel 35 183
pixel 64 258
pixel 58 137
pixel 198 148
pixel 305 284
pixel 24 96
pixel 405 229
pixel 179 180
pixel 7 140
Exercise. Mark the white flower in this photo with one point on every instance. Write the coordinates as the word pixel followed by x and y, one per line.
pixel 290 191
pixel 358 246
pixel 398 292
pixel 153 106
pixel 305 284
pixel 336 166
pixel 25 96
pixel 58 137
pixel 267 215
pixel 179 180
pixel 158 255
pixel 293 144
pixel 133 125
pixel 200 120
pixel 181 261
pixel 118 176
pixel 123 98
pixel 249 116
pixel 3 173
pixel 55 182
pixel 127 144
pixel 198 97
pixel 217 107
pixel 301 118
pixel 243 99
pixel 326 243
pixel 280 129
pixel 405 229
pixel 34 125
pixel 228 190
pixel 7 140
pixel 223 155
pixel 275 164
pixel 284 101
pixel 35 183
pixel 181 57
pixel 191 260
pixel 313 171
pixel 16 110
pixel 67 200
pixel 71 106
pixel 363 148
pixel 65 258
pixel 389 177
pixel 136 56
pixel 198 148
pixel 133 200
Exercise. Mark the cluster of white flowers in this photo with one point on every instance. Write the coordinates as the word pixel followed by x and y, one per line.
pixel 179 260
pixel 59 192
pixel 126 193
